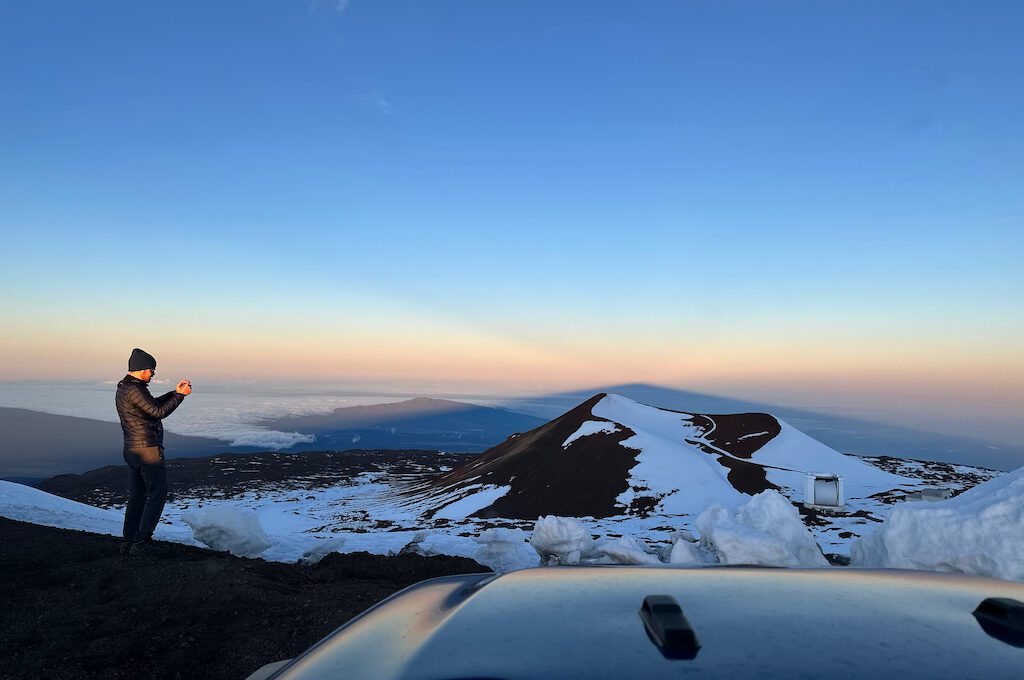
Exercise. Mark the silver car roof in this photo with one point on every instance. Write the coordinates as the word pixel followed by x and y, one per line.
pixel 585 622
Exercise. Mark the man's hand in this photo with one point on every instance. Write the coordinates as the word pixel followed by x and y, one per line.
pixel 184 387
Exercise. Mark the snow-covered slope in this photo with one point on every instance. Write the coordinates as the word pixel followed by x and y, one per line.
pixel 28 504
pixel 613 456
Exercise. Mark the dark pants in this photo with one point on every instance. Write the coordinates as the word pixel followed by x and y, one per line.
pixel 147 491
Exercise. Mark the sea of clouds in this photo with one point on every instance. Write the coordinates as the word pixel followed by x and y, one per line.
pixel 231 413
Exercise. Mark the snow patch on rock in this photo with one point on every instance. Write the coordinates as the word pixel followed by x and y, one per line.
pixel 591 427
pixel 462 508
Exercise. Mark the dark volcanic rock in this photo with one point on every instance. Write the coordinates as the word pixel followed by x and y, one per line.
pixel 402 569
pixel 73 608
pixel 581 481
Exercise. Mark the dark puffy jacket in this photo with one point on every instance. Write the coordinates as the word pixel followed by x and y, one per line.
pixel 141 412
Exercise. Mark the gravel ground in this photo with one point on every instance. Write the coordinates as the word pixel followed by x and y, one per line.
pixel 73 608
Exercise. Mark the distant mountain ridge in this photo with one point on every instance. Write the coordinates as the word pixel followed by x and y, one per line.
pixel 419 423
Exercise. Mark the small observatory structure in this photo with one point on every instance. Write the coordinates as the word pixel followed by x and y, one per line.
pixel 823 492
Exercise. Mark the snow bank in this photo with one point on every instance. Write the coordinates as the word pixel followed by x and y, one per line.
pixel 225 527
pixel 427 543
pixel 322 549
pixel 628 550
pixel 981 532
pixel 28 504
pixel 766 530
pixel 415 544
pixel 505 550
pixel 563 540
pixel 684 552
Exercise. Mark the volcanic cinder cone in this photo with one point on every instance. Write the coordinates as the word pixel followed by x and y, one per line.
pixel 613 456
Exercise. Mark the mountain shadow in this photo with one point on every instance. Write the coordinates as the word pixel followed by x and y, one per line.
pixel 419 423
pixel 35 445
pixel 848 435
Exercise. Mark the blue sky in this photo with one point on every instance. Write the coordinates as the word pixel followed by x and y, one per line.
pixel 799 200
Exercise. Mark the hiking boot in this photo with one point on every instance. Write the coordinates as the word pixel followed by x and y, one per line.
pixel 125 548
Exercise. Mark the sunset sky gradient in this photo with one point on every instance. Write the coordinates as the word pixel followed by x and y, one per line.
pixel 801 202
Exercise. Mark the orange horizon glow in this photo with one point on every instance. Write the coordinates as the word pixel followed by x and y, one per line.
pixel 971 397
pixel 492 361
pixel 941 377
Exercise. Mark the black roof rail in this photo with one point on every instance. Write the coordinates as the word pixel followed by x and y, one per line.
pixel 668 628
pixel 1003 619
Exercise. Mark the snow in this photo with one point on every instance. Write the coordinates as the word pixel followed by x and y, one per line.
pixel 440 543
pixel 322 549
pixel 628 550
pixel 224 527
pixel 591 427
pixel 505 550
pixel 684 553
pixel 463 507
pixel 561 539
pixel 766 530
pixel 981 532
pixel 683 534
pixel 28 504
pixel 798 454
pixel 686 483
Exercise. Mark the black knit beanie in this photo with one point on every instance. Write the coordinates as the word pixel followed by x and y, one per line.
pixel 140 361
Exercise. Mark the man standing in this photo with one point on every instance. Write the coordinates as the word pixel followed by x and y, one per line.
pixel 140 415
